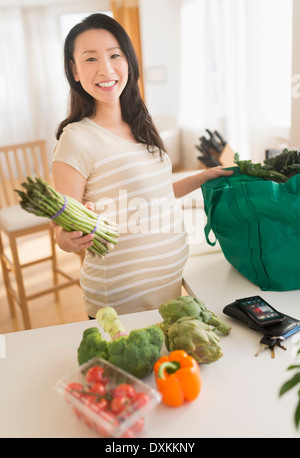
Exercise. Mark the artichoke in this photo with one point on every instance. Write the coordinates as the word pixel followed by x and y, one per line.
pixel 174 309
pixel 195 337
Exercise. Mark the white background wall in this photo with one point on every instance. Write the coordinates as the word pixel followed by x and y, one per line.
pixel 160 26
pixel 160 29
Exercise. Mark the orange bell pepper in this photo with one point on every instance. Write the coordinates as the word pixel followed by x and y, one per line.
pixel 177 377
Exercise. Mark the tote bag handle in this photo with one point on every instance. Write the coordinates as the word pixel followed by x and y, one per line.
pixel 213 198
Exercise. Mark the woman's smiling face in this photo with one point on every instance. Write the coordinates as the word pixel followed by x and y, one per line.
pixel 100 65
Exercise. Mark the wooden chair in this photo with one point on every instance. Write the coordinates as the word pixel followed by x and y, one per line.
pixel 16 163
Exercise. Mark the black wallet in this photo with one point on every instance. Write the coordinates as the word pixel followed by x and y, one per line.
pixel 285 328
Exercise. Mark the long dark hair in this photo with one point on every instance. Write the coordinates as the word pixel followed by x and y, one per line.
pixel 82 105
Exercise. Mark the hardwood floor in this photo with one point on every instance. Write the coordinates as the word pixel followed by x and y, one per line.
pixel 44 311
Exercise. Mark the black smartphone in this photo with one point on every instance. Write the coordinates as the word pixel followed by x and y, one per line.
pixel 259 310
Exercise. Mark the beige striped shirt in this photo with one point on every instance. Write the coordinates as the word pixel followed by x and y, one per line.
pixel 133 188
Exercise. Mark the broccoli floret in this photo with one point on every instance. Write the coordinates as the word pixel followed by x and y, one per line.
pixel 91 345
pixel 137 352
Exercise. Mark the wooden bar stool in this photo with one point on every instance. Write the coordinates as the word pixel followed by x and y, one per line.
pixel 16 163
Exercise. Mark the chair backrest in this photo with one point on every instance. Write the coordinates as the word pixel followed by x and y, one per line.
pixel 17 162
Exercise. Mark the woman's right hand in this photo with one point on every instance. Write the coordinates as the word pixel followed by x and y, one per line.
pixel 74 240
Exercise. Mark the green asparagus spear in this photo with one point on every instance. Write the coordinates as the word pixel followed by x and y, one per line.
pixel 42 200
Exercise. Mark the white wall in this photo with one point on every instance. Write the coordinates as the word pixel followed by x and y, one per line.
pixel 160 29
pixel 160 36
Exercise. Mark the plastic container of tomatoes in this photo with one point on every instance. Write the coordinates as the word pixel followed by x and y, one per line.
pixel 109 400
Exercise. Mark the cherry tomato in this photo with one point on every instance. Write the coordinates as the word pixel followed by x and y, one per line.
pixel 140 399
pixel 92 403
pixel 74 389
pixel 129 433
pixel 138 425
pixel 124 389
pixel 119 404
pixel 98 406
pixel 89 399
pixel 94 393
pixel 96 374
pixel 88 420
pixel 98 388
pixel 105 430
pixel 77 412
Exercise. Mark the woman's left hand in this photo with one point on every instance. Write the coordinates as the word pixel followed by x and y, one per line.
pixel 192 182
pixel 214 172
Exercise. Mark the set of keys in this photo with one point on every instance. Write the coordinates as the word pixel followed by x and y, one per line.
pixel 259 315
pixel 270 343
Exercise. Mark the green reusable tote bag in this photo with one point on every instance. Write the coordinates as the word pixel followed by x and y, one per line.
pixel 257 224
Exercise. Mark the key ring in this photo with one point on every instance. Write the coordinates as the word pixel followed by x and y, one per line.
pixel 277 338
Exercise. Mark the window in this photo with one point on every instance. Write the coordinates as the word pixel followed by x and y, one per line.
pixel 276 65
pixel 237 71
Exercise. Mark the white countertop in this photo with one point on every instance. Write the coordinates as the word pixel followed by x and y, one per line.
pixel 244 389
pixel 239 396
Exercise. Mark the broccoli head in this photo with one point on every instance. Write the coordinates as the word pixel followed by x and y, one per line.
pixel 91 345
pixel 135 353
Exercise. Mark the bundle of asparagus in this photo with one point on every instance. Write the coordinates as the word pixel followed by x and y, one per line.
pixel 43 200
